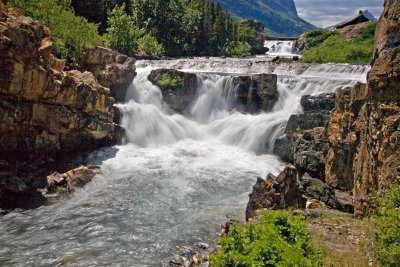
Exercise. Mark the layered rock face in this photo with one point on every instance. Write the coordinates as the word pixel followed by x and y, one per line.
pixel 111 69
pixel 45 113
pixel 253 93
pixel 376 161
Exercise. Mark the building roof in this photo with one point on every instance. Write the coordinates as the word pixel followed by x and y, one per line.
pixel 366 15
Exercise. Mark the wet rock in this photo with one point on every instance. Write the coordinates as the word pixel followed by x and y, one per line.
pixel 283 148
pixel 178 88
pixel 278 192
pixel 263 90
pixel 196 256
pixel 76 178
pixel 111 69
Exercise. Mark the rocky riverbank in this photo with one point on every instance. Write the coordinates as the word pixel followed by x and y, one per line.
pixel 49 115
pixel 344 146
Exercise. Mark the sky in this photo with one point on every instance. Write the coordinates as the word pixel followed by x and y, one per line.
pixel 325 13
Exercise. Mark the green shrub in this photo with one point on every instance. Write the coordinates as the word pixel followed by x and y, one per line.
pixel 239 49
pixel 71 34
pixel 316 37
pixel 278 239
pixel 387 233
pixel 122 34
pixel 149 45
pixel 167 81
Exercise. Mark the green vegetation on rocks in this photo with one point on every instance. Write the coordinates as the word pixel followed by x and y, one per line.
pixel 71 34
pixel 277 239
pixel 387 230
pixel 168 81
pixel 329 46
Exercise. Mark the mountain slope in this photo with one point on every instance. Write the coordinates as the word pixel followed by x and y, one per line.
pixel 279 16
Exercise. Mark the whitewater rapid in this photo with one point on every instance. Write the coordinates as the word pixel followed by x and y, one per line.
pixel 174 178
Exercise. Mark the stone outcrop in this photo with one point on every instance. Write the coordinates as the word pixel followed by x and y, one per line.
pixel 274 193
pixel 179 90
pixel 305 143
pixel 377 124
pixel 263 90
pixel 73 179
pixel 360 149
pixel 111 69
pixel 45 113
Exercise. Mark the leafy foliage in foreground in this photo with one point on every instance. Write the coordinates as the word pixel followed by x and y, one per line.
pixel 387 233
pixel 329 46
pixel 71 34
pixel 278 239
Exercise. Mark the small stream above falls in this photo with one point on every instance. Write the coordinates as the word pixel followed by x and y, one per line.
pixel 176 177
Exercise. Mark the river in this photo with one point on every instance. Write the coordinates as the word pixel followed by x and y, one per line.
pixel 176 177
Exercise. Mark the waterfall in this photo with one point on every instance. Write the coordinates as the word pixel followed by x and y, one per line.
pixel 280 48
pixel 176 176
pixel 211 116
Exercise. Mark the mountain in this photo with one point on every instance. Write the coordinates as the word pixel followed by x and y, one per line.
pixel 279 16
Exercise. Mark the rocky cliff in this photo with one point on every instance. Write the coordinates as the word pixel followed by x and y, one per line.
pixel 376 161
pixel 46 113
pixel 353 150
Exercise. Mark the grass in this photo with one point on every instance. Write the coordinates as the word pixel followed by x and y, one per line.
pixel 343 239
pixel 329 46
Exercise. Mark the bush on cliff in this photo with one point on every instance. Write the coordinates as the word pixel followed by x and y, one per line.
pixel 278 239
pixel 71 34
pixel 329 46
pixel 387 233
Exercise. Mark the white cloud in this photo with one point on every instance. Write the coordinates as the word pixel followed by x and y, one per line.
pixel 325 13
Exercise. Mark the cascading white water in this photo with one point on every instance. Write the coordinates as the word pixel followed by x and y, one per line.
pixel 175 178
pixel 280 48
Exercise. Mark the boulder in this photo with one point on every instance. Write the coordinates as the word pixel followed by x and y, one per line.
pixel 263 90
pixel 111 69
pixel 73 179
pixel 274 193
pixel 178 88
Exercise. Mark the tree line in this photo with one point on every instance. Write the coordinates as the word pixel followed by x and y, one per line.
pixel 142 27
